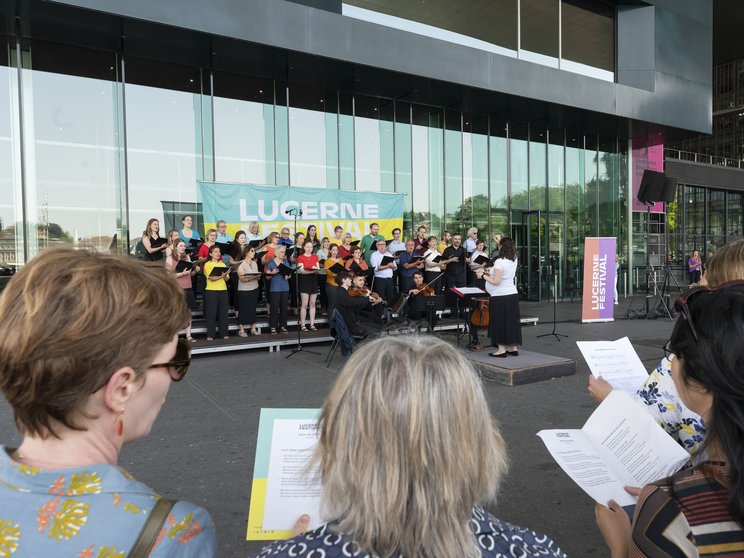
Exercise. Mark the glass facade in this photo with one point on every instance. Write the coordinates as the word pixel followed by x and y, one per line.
pixel 114 140
pixel 574 35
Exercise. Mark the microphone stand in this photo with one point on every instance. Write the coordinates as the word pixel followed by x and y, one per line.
pixel 298 349
pixel 554 333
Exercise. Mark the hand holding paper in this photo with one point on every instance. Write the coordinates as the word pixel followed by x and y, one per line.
pixel 620 445
pixel 616 362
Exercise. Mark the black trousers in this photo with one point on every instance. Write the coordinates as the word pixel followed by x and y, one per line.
pixel 216 303
pixel 330 291
pixel 449 282
pixel 385 288
pixel 279 306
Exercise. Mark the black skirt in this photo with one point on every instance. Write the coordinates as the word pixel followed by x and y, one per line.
pixel 504 326
pixel 308 283
pixel 247 301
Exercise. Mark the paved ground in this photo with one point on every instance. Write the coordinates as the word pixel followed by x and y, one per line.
pixel 203 444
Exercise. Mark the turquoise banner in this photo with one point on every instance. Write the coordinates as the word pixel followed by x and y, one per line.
pixel 240 204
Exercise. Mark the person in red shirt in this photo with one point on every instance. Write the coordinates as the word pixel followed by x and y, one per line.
pixel 356 259
pixel 307 266
pixel 204 248
pixel 345 250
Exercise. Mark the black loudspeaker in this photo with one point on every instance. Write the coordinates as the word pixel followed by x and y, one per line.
pixel 669 190
pixel 652 186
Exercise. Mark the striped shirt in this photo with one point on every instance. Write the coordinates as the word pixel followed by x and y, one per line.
pixel 687 515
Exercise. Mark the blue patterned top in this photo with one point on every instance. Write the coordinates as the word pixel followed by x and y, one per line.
pixel 495 539
pixel 95 511
pixel 660 395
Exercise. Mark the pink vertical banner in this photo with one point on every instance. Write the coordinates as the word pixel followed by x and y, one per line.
pixel 597 304
pixel 645 156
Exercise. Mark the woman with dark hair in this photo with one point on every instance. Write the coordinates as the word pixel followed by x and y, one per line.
pixel 504 328
pixel 152 241
pixel 187 234
pixel 312 236
pixel 247 291
pixel 698 511
pixel 233 259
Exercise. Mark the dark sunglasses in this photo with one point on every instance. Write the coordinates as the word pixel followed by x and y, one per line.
pixel 668 352
pixel 177 367
pixel 682 304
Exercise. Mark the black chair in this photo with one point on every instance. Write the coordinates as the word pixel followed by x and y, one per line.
pixel 571 287
pixel 342 335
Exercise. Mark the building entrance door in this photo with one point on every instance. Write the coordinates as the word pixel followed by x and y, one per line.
pixel 540 242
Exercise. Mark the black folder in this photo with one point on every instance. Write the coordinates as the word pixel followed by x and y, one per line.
pixel 183 265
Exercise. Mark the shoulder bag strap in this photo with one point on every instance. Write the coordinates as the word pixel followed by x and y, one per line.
pixel 150 530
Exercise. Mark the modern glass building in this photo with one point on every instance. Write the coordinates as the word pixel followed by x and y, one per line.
pixel 528 118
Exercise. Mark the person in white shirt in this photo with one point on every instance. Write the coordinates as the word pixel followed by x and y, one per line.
pixel 396 245
pixel 480 250
pixel 384 284
pixel 432 269
pixel 504 328
pixel 471 240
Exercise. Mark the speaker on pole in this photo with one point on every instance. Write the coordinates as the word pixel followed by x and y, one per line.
pixel 652 186
pixel 669 190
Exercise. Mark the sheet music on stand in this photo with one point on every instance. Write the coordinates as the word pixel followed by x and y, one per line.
pixel 463 292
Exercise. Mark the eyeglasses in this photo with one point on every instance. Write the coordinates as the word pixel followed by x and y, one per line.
pixel 682 304
pixel 177 367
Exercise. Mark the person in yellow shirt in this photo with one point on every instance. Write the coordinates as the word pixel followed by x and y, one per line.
pixel 445 242
pixel 215 294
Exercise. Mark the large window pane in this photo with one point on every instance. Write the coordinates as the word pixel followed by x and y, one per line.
pixel 498 177
pixel 72 149
pixel 313 139
pixel 475 173
pixel 428 167
pixel 373 144
pixel 608 193
pixel 11 214
pixel 403 163
pixel 539 22
pixel 733 214
pixel 574 201
pixel 519 168
pixel 244 129
pixel 164 150
pixel 455 215
pixel 588 35
pixel 537 169
pixel 492 21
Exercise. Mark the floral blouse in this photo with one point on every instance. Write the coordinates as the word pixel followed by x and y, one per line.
pixel 495 539
pixel 660 396
pixel 90 512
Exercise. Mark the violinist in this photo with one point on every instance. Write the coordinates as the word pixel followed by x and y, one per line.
pixel 359 288
pixel 420 289
pixel 359 312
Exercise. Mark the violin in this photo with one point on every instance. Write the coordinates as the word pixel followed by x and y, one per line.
pixel 366 293
pixel 424 290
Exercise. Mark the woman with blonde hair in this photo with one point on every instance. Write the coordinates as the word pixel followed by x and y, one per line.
pixel 83 381
pixel 407 453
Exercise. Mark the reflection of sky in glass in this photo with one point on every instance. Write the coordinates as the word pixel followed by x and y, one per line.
pixel 519 173
pixel 367 145
pixel 73 159
pixel 7 192
pixel 243 141
pixel 420 166
pixel 307 148
pixel 161 151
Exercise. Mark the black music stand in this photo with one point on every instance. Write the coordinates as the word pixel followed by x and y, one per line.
pixel 554 333
pixel 298 349
pixel 466 294
pixel 429 305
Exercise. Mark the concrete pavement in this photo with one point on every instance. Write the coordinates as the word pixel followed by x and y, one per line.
pixel 202 446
